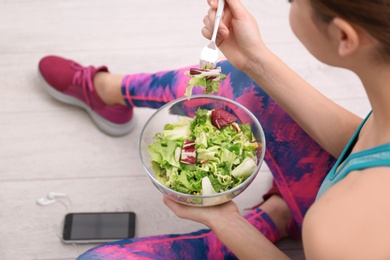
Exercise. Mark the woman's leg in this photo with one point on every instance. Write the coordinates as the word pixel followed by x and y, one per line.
pixel 202 244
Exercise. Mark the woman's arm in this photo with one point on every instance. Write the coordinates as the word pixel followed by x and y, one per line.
pixel 351 219
pixel 245 241
pixel 325 121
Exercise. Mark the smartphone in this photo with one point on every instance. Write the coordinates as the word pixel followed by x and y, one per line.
pixel 98 227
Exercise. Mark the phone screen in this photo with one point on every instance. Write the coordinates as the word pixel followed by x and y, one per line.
pixel 98 227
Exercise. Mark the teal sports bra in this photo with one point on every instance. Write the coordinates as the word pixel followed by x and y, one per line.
pixel 373 157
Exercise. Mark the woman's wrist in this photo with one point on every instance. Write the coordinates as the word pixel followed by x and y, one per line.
pixel 218 218
pixel 257 63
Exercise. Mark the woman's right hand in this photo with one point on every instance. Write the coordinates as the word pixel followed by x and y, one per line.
pixel 238 36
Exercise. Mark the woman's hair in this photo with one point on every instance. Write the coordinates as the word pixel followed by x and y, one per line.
pixel 373 16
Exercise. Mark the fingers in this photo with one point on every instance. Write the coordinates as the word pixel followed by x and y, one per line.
pixel 213 3
pixel 168 202
pixel 236 8
pixel 177 208
pixel 174 206
pixel 209 20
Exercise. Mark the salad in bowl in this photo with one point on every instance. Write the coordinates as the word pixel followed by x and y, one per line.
pixel 202 151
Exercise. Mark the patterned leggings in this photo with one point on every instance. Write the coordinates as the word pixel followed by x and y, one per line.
pixel 298 165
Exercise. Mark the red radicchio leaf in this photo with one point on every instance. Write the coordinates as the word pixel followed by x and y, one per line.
pixel 189 160
pixel 196 71
pixel 221 118
pixel 188 152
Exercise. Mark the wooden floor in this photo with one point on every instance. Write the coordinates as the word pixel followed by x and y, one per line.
pixel 48 146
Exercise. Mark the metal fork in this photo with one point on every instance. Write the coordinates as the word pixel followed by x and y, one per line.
pixel 210 53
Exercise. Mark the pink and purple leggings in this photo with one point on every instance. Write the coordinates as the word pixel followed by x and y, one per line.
pixel 298 165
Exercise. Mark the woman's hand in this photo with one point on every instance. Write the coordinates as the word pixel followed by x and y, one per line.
pixel 235 232
pixel 205 215
pixel 238 35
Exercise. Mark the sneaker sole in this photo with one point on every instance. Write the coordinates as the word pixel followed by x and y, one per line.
pixel 104 125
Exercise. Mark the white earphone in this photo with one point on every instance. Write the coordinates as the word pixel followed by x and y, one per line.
pixel 44 202
pixel 53 195
pixel 51 198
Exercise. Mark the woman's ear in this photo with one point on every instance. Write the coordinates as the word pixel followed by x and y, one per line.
pixel 346 36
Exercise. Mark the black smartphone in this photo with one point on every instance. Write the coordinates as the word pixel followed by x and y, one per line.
pixel 98 227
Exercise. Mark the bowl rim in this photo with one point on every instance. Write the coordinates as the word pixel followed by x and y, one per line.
pixel 192 196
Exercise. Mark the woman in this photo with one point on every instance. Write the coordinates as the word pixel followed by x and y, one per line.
pixel 349 218
pixel 348 34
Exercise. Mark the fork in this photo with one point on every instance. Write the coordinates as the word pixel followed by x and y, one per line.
pixel 210 53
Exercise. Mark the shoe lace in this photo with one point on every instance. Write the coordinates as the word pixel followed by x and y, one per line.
pixel 83 78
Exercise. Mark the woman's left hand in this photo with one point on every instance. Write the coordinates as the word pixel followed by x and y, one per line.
pixel 240 236
pixel 208 216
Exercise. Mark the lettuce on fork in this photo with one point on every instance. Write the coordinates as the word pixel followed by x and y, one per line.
pixel 204 155
pixel 209 79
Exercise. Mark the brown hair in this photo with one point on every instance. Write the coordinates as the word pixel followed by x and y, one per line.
pixel 373 16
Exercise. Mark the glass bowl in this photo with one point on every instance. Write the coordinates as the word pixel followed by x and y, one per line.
pixel 171 113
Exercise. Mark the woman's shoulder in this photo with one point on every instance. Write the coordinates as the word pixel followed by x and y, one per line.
pixel 351 220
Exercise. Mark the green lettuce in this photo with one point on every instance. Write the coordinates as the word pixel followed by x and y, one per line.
pixel 224 157
pixel 208 79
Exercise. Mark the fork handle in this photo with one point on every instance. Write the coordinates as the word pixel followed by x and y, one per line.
pixel 218 16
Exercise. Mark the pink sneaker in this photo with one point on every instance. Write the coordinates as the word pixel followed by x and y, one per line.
pixel 72 83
